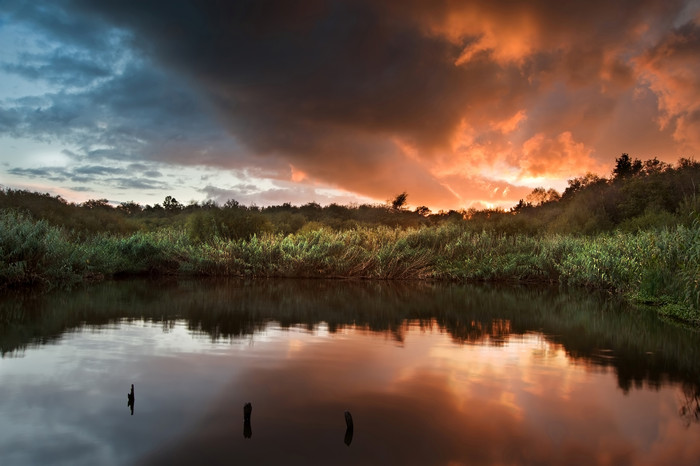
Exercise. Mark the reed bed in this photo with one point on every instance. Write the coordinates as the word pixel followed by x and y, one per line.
pixel 660 267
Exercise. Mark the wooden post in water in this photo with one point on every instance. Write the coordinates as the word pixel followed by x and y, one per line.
pixel 130 399
pixel 350 427
pixel 247 428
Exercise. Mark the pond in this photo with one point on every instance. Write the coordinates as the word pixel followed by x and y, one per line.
pixel 431 373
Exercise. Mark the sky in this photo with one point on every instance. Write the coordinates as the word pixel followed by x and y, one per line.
pixel 461 104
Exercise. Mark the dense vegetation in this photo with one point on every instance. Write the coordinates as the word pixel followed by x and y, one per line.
pixel 637 233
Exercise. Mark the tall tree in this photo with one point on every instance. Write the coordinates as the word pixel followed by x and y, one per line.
pixel 626 167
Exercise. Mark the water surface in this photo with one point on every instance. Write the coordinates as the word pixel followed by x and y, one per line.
pixel 432 374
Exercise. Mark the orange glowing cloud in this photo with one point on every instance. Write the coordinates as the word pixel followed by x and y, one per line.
pixel 510 124
pixel 297 175
pixel 555 157
pixel 672 69
pixel 459 103
pixel 482 30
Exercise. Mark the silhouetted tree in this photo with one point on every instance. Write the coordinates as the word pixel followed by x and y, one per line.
pixel 655 166
pixel 626 167
pixel 553 195
pixel 154 208
pixel 232 204
pixel 520 206
pixel 130 208
pixel 171 204
pixel 399 201
pixel 539 196
pixel 96 204
pixel 209 204
pixel 688 163
pixel 423 211
pixel 582 182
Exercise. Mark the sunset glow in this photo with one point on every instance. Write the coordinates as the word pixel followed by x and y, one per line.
pixel 458 103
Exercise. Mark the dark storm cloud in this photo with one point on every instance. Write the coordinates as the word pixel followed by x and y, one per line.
pixel 331 84
pixel 285 75
pixel 298 87
pixel 375 97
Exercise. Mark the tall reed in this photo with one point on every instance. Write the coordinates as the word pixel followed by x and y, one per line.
pixel 655 266
pixel 34 252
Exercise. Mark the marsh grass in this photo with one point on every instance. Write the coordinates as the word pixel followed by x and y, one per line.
pixel 661 267
pixel 34 252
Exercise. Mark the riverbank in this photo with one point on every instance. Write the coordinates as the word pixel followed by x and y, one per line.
pixel 657 267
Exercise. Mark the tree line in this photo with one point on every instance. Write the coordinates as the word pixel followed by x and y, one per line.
pixel 638 195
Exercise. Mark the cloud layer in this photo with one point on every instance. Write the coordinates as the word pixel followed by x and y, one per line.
pixel 458 103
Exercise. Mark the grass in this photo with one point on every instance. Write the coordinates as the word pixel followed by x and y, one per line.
pixel 658 267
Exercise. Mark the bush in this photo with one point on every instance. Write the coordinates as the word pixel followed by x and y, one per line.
pixel 36 252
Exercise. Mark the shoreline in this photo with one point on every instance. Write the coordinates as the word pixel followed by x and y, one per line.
pixel 671 312
pixel 658 267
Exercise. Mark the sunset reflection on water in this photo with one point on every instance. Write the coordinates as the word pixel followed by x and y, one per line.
pixel 430 400
pixel 439 374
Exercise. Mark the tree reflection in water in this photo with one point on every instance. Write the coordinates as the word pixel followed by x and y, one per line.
pixel 490 373
pixel 690 404
pixel 594 329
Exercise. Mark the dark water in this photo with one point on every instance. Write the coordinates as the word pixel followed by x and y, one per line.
pixel 432 374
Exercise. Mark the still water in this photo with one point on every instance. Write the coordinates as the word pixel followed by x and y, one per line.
pixel 431 373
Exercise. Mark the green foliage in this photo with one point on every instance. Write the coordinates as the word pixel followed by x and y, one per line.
pixel 689 209
pixel 649 220
pixel 34 252
pixel 201 227
pixel 232 222
pixel 690 266
pixel 151 253
pixel 89 218
pixel 285 222
pixel 659 266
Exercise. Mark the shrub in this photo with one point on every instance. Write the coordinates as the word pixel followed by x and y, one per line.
pixel 36 252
